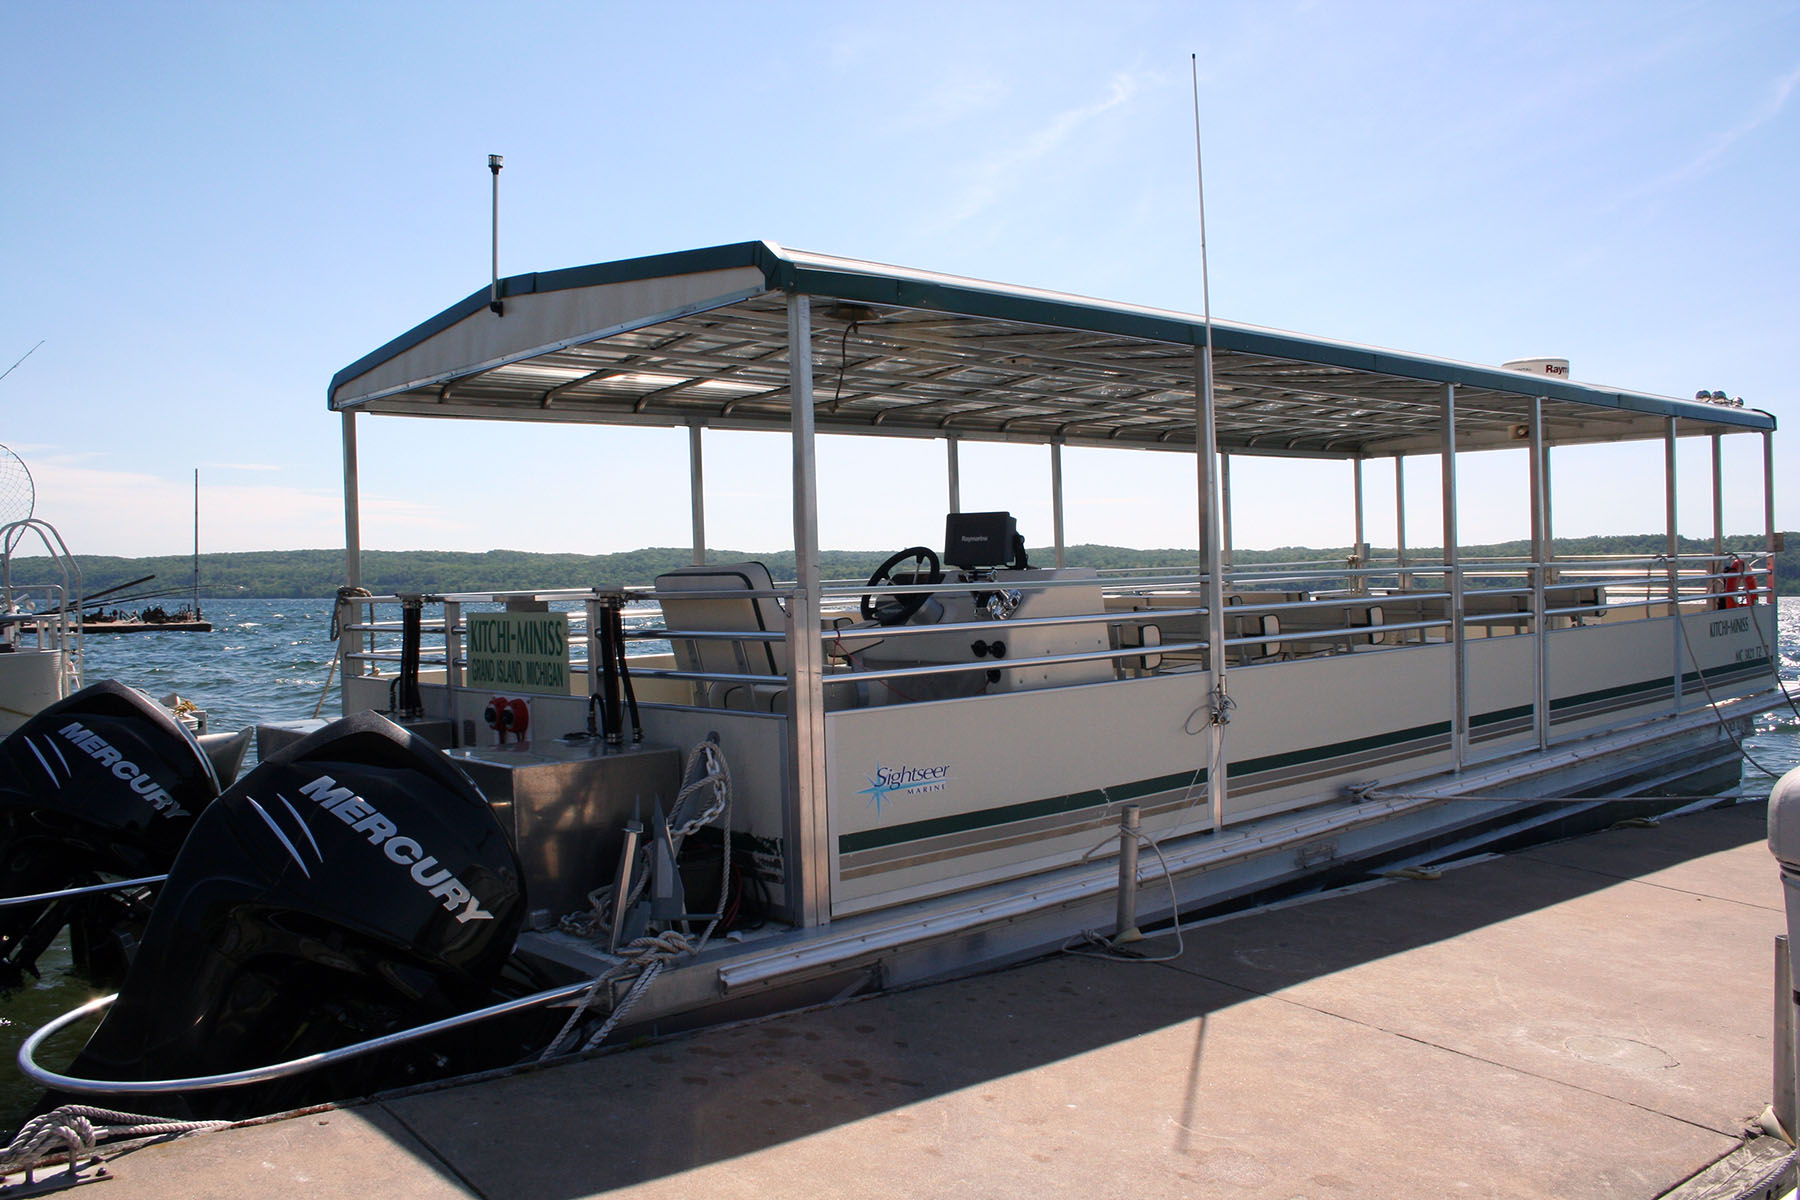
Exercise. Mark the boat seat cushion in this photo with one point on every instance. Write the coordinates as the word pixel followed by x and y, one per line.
pixel 747 613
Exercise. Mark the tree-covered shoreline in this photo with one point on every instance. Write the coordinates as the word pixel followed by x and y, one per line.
pixel 315 573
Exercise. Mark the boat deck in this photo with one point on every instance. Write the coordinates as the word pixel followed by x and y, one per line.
pixel 1586 1018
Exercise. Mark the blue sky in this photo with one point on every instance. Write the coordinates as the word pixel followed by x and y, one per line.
pixel 207 210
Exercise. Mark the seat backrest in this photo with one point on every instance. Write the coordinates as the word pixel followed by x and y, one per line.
pixel 724 614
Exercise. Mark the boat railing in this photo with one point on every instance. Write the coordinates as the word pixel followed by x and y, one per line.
pixel 48 612
pixel 368 644
pixel 1154 620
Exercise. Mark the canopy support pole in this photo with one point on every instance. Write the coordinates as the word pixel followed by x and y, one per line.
pixel 697 492
pixel 1540 624
pixel 1769 539
pixel 1056 502
pixel 1359 583
pixel 1402 579
pixel 352 507
pixel 1453 580
pixel 951 446
pixel 1549 513
pixel 808 851
pixel 1718 489
pixel 1225 542
pixel 1673 552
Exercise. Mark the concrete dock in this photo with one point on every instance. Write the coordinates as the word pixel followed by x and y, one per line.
pixel 1590 1018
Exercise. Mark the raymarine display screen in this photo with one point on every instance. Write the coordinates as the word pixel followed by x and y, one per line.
pixel 973 541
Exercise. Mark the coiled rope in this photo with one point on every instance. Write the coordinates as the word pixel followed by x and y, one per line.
pixel 76 1129
pixel 646 956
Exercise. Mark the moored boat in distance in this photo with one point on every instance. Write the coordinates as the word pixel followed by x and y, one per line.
pixel 149 620
pixel 800 789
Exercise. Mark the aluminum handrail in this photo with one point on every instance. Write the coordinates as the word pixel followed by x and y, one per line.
pixel 551 594
pixel 1313 635
pixel 1371 601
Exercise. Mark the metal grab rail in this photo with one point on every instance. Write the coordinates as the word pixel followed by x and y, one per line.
pixel 1153 583
pixel 452 629
pixel 90 889
pixel 55 1080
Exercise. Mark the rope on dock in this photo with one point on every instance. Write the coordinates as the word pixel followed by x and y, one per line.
pixel 74 1130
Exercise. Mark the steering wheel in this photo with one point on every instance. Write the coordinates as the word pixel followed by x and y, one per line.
pixel 899 609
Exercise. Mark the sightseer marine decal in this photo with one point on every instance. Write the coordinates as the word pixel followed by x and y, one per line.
pixel 904 781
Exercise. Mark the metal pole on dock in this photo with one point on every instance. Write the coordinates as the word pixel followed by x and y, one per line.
pixel 1783 1104
pixel 1784 843
pixel 1125 928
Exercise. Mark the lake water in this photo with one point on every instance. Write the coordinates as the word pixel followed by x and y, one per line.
pixel 269 660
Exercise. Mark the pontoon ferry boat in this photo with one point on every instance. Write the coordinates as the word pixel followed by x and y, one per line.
pixel 956 763
pixel 933 765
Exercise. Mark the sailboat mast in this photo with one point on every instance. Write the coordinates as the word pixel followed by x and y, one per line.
pixel 196 543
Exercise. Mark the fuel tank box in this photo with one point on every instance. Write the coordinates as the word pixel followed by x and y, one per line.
pixel 565 805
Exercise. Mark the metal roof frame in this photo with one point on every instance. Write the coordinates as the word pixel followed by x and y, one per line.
pixel 700 338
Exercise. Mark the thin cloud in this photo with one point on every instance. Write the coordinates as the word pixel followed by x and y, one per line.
pixel 1773 102
pixel 951 104
pixel 1001 172
pixel 222 466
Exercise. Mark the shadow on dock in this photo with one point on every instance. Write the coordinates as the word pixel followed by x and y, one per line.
pixel 646 1114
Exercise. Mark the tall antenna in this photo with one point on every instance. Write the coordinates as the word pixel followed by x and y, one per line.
pixel 1200 188
pixel 1213 564
pixel 495 162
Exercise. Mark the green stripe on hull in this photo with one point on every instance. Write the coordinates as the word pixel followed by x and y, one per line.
pixel 1565 708
pixel 870 839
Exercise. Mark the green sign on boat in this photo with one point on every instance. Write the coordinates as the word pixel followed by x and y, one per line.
pixel 519 651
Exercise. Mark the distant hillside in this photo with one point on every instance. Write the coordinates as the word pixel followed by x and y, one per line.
pixel 285 573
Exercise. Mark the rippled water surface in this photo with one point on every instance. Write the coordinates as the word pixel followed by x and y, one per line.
pixel 269 660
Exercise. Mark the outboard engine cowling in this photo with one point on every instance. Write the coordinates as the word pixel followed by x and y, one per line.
pixel 353 884
pixel 105 781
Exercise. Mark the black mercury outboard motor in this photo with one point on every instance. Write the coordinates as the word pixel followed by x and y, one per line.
pixel 103 781
pixel 353 884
